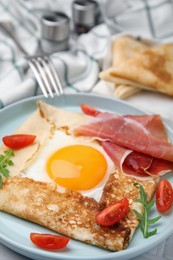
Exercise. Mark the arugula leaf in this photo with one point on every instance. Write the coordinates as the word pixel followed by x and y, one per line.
pixel 4 162
pixel 0 181
pixel 144 219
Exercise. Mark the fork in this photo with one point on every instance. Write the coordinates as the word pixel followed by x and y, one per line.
pixel 45 74
pixel 42 67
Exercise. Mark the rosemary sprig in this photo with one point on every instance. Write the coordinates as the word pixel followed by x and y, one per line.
pixel 4 162
pixel 144 219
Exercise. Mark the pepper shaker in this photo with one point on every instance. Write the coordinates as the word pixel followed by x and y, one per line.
pixel 55 31
pixel 84 15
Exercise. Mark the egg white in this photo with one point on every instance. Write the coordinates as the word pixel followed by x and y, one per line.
pixel 37 170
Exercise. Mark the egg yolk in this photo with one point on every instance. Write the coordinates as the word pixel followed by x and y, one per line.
pixel 77 167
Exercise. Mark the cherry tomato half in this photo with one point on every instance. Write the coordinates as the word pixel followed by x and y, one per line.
pixel 113 213
pixel 48 241
pixel 18 141
pixel 164 196
pixel 89 110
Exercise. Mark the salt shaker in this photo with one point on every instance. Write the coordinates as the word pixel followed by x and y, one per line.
pixel 84 15
pixel 55 31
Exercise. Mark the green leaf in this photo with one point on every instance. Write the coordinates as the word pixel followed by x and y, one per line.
pixel 150 204
pixel 143 195
pixel 138 214
pixel 144 219
pixel 140 200
pixel 152 233
pixel 141 227
pixel 5 172
pixel 5 161
pixel 10 163
pixel 154 220
pixel 0 181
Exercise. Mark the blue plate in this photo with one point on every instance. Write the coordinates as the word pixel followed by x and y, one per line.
pixel 14 232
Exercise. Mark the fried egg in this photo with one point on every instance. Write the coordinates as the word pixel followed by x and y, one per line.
pixel 76 163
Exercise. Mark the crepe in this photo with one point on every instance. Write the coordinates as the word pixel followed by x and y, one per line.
pixel 70 213
pixel 125 48
pixel 143 66
pixel 23 157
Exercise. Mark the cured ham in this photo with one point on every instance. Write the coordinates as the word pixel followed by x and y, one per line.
pixel 137 144
pixel 127 132
pixel 136 164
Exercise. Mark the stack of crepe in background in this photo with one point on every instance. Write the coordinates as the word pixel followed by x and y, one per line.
pixel 138 64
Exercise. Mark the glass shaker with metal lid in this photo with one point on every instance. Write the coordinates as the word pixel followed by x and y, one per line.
pixel 55 32
pixel 84 15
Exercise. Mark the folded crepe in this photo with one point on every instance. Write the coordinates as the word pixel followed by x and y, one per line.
pixel 141 65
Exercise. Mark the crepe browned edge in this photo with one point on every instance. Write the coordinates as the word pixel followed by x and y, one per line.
pixel 71 213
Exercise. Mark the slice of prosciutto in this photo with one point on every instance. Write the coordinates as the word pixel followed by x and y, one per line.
pixel 136 164
pixel 138 145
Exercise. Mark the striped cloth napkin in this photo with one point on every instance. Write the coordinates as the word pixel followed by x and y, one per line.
pixel 152 18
